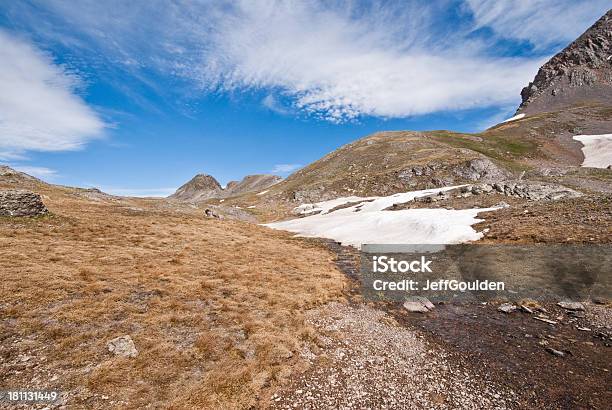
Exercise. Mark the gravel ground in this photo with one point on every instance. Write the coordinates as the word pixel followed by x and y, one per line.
pixel 364 359
pixel 599 316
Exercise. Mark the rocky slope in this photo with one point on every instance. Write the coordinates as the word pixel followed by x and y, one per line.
pixel 251 183
pixel 537 147
pixel 10 176
pixel 580 72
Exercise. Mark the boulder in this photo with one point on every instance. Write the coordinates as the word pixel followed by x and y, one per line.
pixel 122 346
pixel 418 304
pixel 506 308
pixel 569 305
pixel 21 203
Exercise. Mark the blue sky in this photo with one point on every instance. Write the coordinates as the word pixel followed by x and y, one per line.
pixel 137 97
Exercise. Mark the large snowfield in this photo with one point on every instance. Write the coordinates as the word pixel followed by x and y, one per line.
pixel 367 222
pixel 597 150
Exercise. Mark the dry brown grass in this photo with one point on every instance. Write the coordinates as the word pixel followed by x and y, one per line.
pixel 214 307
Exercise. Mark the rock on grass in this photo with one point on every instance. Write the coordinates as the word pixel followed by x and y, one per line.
pixel 122 346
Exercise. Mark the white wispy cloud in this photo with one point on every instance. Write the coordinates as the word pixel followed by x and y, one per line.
pixel 541 22
pixel 273 104
pixel 39 109
pixel 333 60
pixel 285 168
pixel 338 66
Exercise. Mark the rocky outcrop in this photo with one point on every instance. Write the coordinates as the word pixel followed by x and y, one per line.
pixel 580 72
pixel 21 203
pixel 316 194
pixel 533 191
pixel 199 188
pixel 480 169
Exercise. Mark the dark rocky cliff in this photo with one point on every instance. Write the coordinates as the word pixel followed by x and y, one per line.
pixel 579 74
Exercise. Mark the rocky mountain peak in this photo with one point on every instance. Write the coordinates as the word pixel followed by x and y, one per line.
pixel 201 186
pixel 204 181
pixel 579 73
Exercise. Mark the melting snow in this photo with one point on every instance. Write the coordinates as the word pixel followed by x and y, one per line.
pixel 516 117
pixel 597 150
pixel 326 206
pixel 368 222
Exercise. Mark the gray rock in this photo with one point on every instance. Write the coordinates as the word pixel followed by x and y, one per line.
pixel 506 308
pixel 21 203
pixel 122 346
pixel 480 169
pixel 555 352
pixel 426 302
pixel 569 305
pixel 415 307
pixel 418 304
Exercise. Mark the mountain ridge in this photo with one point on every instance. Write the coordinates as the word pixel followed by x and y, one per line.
pixel 203 186
pixel 582 71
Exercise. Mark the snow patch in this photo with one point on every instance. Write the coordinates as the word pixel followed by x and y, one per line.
pixel 369 222
pixel 597 150
pixel 251 207
pixel 262 192
pixel 326 206
pixel 371 202
pixel 516 117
